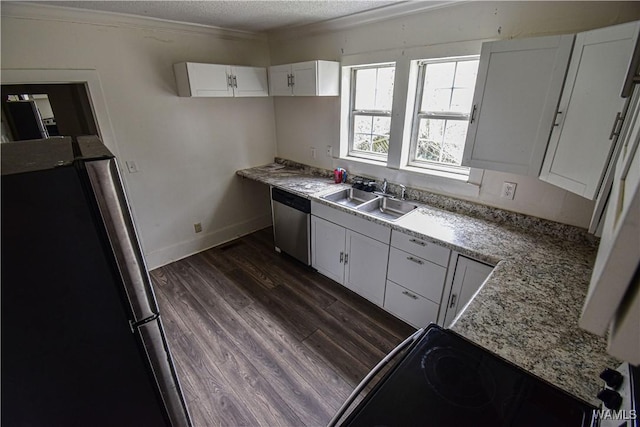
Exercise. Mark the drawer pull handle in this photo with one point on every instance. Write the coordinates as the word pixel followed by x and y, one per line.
pixel 454 297
pixel 346 259
pixel 341 257
pixel 418 242
pixel 617 120
pixel 416 260
pixel 409 294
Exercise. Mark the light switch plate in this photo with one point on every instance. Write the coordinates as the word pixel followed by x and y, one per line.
pixel 132 166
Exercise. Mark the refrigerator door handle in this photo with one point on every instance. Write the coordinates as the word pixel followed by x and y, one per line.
pixel 157 351
pixel 136 325
pixel 114 210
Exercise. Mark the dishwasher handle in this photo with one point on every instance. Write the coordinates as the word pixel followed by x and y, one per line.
pixel 292 200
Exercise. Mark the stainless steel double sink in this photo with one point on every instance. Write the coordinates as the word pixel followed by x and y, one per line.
pixel 383 207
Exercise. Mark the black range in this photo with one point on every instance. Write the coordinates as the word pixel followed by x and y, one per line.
pixel 445 380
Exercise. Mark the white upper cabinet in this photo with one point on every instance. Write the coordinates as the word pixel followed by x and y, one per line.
pixel 249 81
pixel 214 80
pixel 590 111
pixel 516 95
pixel 311 78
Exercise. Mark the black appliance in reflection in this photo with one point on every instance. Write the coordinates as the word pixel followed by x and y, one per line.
pixel 26 120
pixel 82 339
pixel 444 380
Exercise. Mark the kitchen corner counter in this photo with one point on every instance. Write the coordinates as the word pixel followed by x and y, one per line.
pixel 528 308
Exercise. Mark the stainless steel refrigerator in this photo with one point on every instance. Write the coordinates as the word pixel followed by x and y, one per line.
pixel 82 341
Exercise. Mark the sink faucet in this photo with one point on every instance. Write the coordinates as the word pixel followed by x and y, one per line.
pixel 404 190
pixel 384 186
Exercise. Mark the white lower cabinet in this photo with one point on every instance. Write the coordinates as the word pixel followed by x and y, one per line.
pixel 365 266
pixel 469 275
pixel 409 306
pixel 327 250
pixel 416 279
pixel 350 258
pixel 416 274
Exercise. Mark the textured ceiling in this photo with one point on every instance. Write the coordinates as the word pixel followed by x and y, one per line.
pixel 239 15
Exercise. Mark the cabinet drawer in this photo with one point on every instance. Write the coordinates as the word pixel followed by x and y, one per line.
pixel 352 222
pixel 422 248
pixel 408 306
pixel 416 274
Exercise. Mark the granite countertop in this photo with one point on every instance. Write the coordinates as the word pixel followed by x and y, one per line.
pixel 528 308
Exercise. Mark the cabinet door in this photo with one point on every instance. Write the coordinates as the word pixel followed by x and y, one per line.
pixel 250 81
pixel 366 266
pixel 279 83
pixel 467 279
pixel 516 95
pixel 327 248
pixel 305 78
pixel 618 257
pixel 209 80
pixel 581 143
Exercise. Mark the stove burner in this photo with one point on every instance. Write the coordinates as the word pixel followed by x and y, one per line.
pixel 458 378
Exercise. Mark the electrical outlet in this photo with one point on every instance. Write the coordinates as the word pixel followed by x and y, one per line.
pixel 132 166
pixel 508 190
pixel 329 151
pixel 313 152
pixel 197 227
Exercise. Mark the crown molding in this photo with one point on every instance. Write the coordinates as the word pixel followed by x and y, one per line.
pixel 383 13
pixel 41 12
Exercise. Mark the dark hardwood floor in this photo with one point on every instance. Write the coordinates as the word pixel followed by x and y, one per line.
pixel 261 340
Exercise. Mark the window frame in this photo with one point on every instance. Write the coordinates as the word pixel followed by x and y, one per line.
pixel 351 151
pixel 416 116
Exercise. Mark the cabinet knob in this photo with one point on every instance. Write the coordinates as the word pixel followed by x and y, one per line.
pixel 346 258
pixel 473 113
pixel 341 257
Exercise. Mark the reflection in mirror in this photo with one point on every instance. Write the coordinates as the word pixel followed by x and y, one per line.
pixel 27 116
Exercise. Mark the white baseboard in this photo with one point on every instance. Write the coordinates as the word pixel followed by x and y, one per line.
pixel 172 253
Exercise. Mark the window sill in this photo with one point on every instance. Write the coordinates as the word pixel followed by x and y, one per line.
pixel 438 173
pixel 419 178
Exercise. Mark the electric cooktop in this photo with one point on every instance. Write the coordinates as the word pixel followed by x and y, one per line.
pixel 445 380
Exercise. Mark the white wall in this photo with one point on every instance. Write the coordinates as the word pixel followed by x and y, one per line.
pixel 305 122
pixel 187 150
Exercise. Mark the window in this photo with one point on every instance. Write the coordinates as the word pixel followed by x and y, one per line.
pixel 370 110
pixel 441 114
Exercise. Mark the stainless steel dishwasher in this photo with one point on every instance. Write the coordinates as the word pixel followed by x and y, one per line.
pixel 291 224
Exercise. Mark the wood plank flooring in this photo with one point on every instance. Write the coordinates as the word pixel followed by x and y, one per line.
pixel 261 340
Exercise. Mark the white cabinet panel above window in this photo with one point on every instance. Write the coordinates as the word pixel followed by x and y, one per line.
pixel 516 94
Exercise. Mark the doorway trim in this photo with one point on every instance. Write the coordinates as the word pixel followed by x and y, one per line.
pixel 91 80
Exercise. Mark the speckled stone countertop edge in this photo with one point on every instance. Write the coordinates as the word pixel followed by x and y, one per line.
pixel 529 268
